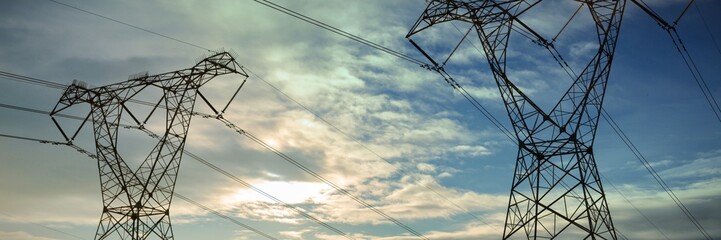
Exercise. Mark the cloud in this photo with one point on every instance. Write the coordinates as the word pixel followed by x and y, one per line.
pixel 703 167
pixel 663 212
pixel 583 49
pixel 294 234
pixel 471 151
pixel 472 230
pixel 21 236
pixel 413 197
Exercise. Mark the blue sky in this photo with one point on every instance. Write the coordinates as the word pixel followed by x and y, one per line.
pixel 430 135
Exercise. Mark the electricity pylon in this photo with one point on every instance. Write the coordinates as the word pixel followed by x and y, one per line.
pixel 556 189
pixel 136 203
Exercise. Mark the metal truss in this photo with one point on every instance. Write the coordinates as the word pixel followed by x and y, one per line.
pixel 556 189
pixel 136 203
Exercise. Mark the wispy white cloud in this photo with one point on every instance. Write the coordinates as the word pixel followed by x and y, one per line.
pixel 704 167
pixel 18 235
pixel 698 197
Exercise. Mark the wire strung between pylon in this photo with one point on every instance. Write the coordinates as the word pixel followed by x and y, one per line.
pixel 197 46
pixel 50 228
pixel 338 31
pixel 693 68
pixel 32 139
pixel 129 25
pixel 685 55
pixel 85 152
pixel 319 24
pixel 357 141
pixel 655 174
pixel 635 208
pixel 248 185
pixel 708 30
pixel 35 81
pixel 219 214
pixel 152 32
pixel 60 86
pixel 287 158
pixel 92 156
pixel 302 167
pixel 298 164
pixel 187 153
pixel 458 87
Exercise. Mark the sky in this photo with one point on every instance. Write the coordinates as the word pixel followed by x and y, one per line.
pixel 384 129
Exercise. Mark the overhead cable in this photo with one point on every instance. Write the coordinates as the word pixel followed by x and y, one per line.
pixel 338 31
pixel 219 214
pixel 685 55
pixel 708 30
pixel 187 153
pixel 51 228
pixel 130 25
pixel 269 4
pixel 302 167
pixel 89 154
pixel 635 208
pixel 646 164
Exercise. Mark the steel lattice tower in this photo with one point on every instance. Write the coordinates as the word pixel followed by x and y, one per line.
pixel 556 189
pixel 136 203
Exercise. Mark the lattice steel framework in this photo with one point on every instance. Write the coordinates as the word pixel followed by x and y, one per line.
pixel 136 203
pixel 556 186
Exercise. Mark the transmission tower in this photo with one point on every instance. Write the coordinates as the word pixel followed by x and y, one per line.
pixel 136 203
pixel 556 189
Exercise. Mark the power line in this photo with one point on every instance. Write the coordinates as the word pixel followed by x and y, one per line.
pixel 685 55
pixel 85 152
pixel 705 24
pixel 32 139
pixel 338 31
pixel 447 77
pixel 317 23
pixel 313 173
pixel 30 80
pixel 283 156
pixel 635 208
pixel 461 90
pixel 267 146
pixel 197 204
pixel 51 228
pixel 187 153
pixel 691 65
pixel 290 160
pixel 130 25
pixel 655 174
pixel 258 190
pixel 411 60
pixel 260 142
pixel 25 79
pixel 357 141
